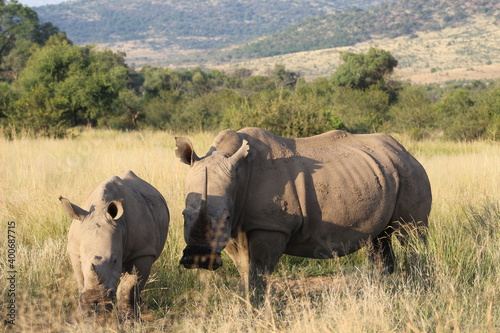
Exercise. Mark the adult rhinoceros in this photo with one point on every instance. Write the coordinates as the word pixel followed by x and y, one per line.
pixel 258 195
pixel 121 228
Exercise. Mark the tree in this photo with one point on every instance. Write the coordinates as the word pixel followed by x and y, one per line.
pixel 20 29
pixel 6 98
pixel 465 115
pixel 283 112
pixel 284 78
pixel 360 71
pixel 363 111
pixel 66 85
pixel 156 80
pixel 412 114
pixel 488 107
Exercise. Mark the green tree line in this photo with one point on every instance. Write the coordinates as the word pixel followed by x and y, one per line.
pixel 54 86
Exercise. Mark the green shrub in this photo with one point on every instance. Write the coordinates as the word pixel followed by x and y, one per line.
pixel 360 71
pixel 158 112
pixel 363 111
pixel 459 116
pixel 65 85
pixel 204 112
pixel 39 114
pixel 6 98
pixel 488 106
pixel 287 114
pixel 411 114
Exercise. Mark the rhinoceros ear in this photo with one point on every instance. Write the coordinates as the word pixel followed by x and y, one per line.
pixel 73 211
pixel 240 155
pixel 185 151
pixel 115 209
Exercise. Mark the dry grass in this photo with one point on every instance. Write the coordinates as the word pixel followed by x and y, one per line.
pixel 452 285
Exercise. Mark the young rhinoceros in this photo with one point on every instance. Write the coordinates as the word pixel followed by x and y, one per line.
pixel 122 228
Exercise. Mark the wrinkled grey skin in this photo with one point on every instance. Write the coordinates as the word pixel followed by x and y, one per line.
pixel 121 228
pixel 258 196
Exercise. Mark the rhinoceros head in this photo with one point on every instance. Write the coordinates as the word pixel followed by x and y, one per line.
pixel 100 250
pixel 209 203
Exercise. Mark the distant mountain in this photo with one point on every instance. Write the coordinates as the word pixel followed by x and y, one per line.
pixel 388 20
pixel 185 24
pixel 35 3
pixel 444 36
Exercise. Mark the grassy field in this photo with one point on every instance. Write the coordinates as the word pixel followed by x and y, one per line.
pixel 452 285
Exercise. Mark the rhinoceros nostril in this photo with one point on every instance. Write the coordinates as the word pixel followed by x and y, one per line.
pixel 97 258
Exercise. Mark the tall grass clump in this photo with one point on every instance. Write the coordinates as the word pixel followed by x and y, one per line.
pixel 448 284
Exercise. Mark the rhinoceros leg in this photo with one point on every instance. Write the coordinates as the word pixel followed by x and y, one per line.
pixel 129 306
pixel 412 235
pixel 411 223
pixel 411 214
pixel 265 249
pixel 381 252
pixel 77 269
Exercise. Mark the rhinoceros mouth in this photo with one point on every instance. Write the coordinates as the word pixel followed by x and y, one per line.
pixel 201 257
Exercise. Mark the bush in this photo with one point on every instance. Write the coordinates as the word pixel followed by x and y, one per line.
pixel 363 111
pixel 360 71
pixel 285 114
pixel 488 106
pixel 412 114
pixel 204 112
pixel 39 114
pixel 65 85
pixel 158 112
pixel 6 98
pixel 459 116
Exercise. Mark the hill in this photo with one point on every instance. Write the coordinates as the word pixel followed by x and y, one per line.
pixel 388 20
pixel 468 52
pixel 434 40
pixel 194 24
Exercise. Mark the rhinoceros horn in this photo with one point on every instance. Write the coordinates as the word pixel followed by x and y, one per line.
pixel 202 225
pixel 94 277
pixel 204 197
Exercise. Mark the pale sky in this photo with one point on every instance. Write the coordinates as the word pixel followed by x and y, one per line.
pixel 36 3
